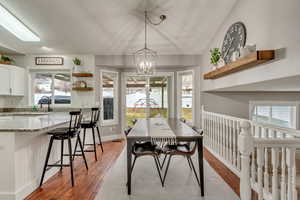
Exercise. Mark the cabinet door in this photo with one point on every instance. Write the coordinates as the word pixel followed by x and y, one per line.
pixel 17 81
pixel 4 81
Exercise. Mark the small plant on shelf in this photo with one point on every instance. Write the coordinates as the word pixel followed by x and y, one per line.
pixel 215 56
pixel 77 61
pixel 6 59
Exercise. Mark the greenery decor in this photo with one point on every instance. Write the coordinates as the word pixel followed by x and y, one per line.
pixel 6 59
pixel 215 56
pixel 77 61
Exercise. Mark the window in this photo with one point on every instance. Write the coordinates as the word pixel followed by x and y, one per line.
pixel 147 96
pixel 276 113
pixel 109 102
pixel 185 95
pixel 53 87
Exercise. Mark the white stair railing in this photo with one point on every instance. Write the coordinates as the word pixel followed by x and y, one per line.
pixel 263 156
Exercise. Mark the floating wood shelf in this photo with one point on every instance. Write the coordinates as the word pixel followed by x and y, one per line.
pixel 82 88
pixel 83 74
pixel 246 62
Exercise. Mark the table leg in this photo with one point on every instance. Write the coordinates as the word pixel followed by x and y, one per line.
pixel 129 155
pixel 200 161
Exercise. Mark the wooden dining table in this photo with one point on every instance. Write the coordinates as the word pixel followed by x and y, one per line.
pixel 183 133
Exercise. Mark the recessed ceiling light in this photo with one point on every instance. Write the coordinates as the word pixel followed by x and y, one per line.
pixel 46 48
pixel 16 27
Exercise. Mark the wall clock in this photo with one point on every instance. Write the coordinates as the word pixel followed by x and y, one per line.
pixel 234 39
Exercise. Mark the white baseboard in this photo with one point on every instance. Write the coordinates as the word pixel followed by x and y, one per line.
pixel 27 189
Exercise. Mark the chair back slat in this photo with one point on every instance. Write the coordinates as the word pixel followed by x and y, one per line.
pixel 75 121
pixel 95 115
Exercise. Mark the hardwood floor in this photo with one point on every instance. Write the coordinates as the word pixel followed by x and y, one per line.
pixel 228 176
pixel 87 183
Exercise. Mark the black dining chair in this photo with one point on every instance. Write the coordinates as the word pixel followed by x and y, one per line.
pixel 62 134
pixel 145 149
pixel 91 124
pixel 187 150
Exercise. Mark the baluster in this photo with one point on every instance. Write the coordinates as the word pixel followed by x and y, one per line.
pixel 245 146
pixel 214 133
pixel 234 142
pixel 238 152
pixel 210 131
pixel 266 168
pixel 283 173
pixel 253 171
pixel 230 141
pixel 223 137
pixel 227 139
pixel 275 162
pixel 260 154
pixel 218 128
pixel 290 162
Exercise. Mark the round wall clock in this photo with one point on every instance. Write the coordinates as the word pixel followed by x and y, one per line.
pixel 234 39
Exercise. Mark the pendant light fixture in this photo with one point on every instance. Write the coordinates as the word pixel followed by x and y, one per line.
pixel 145 59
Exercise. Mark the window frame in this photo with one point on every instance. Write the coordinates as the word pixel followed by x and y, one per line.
pixel 179 94
pixel 32 83
pixel 295 122
pixel 115 120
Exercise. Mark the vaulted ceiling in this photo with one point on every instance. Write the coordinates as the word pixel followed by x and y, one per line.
pixel 115 27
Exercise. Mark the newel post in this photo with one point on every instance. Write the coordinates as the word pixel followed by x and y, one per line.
pixel 245 146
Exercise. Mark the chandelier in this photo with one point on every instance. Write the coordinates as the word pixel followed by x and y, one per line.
pixel 145 58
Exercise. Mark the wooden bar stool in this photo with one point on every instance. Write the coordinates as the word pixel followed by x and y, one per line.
pixel 92 124
pixel 62 134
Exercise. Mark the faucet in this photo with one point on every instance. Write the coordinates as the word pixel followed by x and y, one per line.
pixel 48 100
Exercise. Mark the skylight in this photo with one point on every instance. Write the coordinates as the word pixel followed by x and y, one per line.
pixel 16 27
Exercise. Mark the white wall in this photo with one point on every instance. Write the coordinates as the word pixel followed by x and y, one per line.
pixel 271 24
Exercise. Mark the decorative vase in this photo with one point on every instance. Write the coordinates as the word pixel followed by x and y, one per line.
pixel 221 62
pixel 235 56
pixel 246 50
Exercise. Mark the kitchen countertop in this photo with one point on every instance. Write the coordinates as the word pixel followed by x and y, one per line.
pixel 30 122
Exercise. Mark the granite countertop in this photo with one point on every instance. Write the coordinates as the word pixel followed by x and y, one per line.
pixel 30 122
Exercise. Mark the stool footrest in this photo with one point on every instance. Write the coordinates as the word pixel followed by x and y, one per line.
pixel 88 150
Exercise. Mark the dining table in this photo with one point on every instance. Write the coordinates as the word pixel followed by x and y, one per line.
pixel 143 131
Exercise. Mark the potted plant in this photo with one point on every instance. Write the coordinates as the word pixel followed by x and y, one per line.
pixel 215 56
pixel 77 62
pixel 6 60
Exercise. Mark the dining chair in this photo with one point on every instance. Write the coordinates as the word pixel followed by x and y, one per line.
pixel 145 149
pixel 187 150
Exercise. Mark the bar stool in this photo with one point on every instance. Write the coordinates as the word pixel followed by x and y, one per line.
pixel 93 123
pixel 62 134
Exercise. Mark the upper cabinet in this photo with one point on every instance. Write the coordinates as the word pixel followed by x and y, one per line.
pixel 12 80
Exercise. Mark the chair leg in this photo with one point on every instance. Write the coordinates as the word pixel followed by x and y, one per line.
pixel 75 148
pixel 95 150
pixel 84 131
pixel 163 163
pixel 62 154
pixel 46 161
pixel 167 168
pixel 133 163
pixel 71 160
pixel 99 137
pixel 189 162
pixel 81 148
pixel 158 170
pixel 192 164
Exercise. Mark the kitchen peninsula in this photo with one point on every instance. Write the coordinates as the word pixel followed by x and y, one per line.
pixel 23 146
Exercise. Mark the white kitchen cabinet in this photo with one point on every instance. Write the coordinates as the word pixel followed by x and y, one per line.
pixel 12 80
pixel 4 81
pixel 17 81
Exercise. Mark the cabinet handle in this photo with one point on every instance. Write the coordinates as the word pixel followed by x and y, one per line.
pixel 10 90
